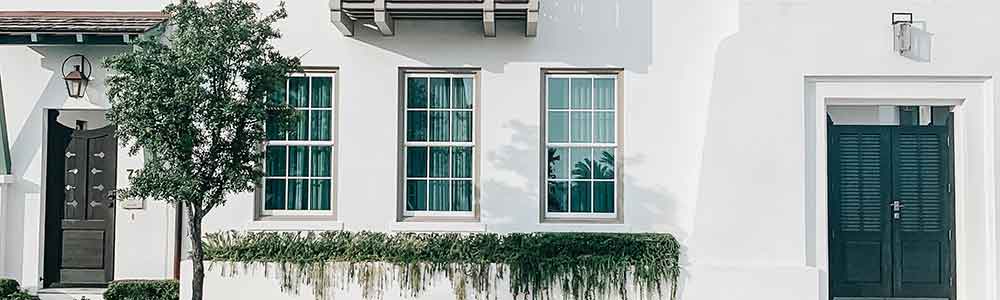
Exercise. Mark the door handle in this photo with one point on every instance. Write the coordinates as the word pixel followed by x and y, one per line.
pixel 896 208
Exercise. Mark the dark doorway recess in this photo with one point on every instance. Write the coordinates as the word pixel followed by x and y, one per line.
pixel 891 211
pixel 80 211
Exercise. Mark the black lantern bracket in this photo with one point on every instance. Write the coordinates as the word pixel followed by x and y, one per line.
pixel 78 76
pixel 902 18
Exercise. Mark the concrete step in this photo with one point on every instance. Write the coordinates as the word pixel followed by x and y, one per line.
pixel 71 294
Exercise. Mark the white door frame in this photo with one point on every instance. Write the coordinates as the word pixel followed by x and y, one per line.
pixel 976 185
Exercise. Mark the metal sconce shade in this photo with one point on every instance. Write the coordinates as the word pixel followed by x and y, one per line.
pixel 77 80
pixel 901 31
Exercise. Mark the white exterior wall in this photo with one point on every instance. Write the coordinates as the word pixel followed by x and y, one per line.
pixel 715 143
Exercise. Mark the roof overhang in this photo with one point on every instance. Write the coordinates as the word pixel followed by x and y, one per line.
pixel 345 13
pixel 76 27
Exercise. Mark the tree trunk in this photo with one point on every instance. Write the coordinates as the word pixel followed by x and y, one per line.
pixel 197 254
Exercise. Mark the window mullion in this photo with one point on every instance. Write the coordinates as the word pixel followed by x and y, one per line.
pixel 593 139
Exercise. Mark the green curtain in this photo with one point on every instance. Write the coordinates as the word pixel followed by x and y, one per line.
pixel 604 93
pixel 581 94
pixel 464 91
pixel 440 98
pixel 438 198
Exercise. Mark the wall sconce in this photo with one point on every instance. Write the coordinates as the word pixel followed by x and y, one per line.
pixel 77 79
pixel 902 23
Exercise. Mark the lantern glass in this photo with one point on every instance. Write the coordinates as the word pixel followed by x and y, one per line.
pixel 76 83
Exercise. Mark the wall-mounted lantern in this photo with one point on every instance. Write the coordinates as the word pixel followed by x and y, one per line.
pixel 902 23
pixel 77 79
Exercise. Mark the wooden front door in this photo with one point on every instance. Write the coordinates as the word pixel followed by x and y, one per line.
pixel 891 212
pixel 80 214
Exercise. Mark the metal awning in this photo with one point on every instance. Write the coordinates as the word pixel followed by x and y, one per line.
pixel 344 13
pixel 75 27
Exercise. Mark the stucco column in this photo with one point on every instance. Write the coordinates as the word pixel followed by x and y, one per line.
pixel 5 183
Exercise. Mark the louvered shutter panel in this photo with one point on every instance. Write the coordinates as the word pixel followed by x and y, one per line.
pixel 861 182
pixel 859 175
pixel 921 168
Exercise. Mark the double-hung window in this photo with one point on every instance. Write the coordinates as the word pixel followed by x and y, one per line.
pixel 581 116
pixel 299 164
pixel 439 144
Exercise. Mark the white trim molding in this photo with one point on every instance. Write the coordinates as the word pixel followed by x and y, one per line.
pixel 5 183
pixel 975 106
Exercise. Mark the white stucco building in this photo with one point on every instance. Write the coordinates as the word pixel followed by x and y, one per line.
pixel 787 144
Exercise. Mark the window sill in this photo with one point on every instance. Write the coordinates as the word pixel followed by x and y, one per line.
pixel 577 226
pixel 439 226
pixel 294 223
pixel 582 220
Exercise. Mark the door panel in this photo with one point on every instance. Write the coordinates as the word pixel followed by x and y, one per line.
pixel 923 226
pixel 859 229
pixel 878 249
pixel 81 179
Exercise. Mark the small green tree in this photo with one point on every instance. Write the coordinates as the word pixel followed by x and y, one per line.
pixel 195 99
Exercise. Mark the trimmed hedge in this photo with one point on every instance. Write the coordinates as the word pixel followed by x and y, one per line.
pixel 10 289
pixel 580 265
pixel 143 290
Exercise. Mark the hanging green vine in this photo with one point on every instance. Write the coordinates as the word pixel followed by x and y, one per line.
pixel 580 265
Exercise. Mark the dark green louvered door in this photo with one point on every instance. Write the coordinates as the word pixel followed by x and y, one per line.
pixel 890 212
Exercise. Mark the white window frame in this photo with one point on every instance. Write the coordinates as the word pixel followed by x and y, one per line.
pixel 616 145
pixel 475 139
pixel 331 143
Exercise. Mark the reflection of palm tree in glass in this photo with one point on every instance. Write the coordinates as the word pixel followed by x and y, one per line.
pixel 555 193
pixel 603 168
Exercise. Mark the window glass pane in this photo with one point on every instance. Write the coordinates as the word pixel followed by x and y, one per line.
pixel 321 90
pixel 558 123
pixel 439 93
pixel 604 127
pixel 462 162
pixel 581 158
pixel 580 97
pixel 558 93
pixel 604 197
pixel 438 198
pixel 321 156
pixel 439 126
pixel 604 163
pixel 274 194
pixel 298 163
pixel 581 127
pixel 300 127
pixel 297 197
pixel 416 126
pixel 604 93
pixel 416 161
pixel 274 132
pixel 416 93
pixel 579 200
pixel 463 91
pixel 558 196
pixel 439 162
pixel 320 128
pixel 298 91
pixel 462 195
pixel 278 95
pixel 416 195
pixel 319 197
pixel 558 168
pixel 275 161
pixel 462 123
